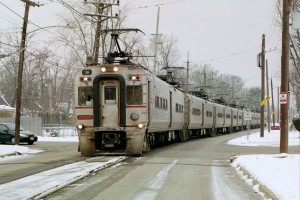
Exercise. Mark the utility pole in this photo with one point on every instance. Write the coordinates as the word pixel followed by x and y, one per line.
pixel 97 35
pixel 273 111
pixel 278 105
pixel 101 17
pixel 268 103
pixel 262 110
pixel 284 76
pixel 188 71
pixel 28 3
pixel 156 41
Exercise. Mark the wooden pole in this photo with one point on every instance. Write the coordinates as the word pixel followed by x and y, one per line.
pixel 262 109
pixel 284 76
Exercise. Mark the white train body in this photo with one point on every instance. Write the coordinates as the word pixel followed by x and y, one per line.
pixel 124 109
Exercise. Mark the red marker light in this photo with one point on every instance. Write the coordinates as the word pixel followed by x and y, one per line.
pixel 84 117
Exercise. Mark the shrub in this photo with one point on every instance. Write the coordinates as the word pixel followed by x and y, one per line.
pixel 296 122
pixel 55 134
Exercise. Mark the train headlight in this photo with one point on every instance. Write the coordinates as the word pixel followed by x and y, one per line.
pixel 134 116
pixel 109 69
pixel 140 125
pixel 115 69
pixel 80 126
pixel 134 78
pixel 103 69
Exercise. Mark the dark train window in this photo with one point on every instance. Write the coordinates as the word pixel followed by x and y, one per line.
pixel 134 95
pixel 234 117
pixel 220 115
pixel 179 108
pixel 240 117
pixel 161 103
pixel 156 102
pixel 85 95
pixel 227 116
pixel 110 94
pixel 208 113
pixel 196 111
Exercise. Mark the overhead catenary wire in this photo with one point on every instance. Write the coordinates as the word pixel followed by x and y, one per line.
pixel 69 7
pixel 11 10
pixel 158 4
pixel 272 27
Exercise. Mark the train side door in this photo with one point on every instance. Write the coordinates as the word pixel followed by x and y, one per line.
pixel 171 108
pixel 214 116
pixel 109 96
pixel 203 114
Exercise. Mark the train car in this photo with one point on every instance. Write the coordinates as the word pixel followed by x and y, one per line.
pixel 235 119
pixel 240 119
pixel 122 108
pixel 220 118
pixel 228 119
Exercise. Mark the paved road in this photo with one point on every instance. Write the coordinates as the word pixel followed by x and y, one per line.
pixel 55 154
pixel 197 169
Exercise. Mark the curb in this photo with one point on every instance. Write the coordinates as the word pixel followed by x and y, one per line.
pixel 262 188
pixel 10 154
pixel 58 187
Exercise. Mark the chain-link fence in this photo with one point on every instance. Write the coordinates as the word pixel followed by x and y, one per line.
pixel 61 130
pixel 33 124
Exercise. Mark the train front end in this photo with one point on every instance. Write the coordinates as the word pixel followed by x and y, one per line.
pixel 111 109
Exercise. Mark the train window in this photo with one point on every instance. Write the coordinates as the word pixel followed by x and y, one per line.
pixel 110 94
pixel 134 95
pixel 227 116
pixel 234 116
pixel 156 101
pixel 220 115
pixel 161 103
pixel 85 95
pixel 196 111
pixel 179 108
pixel 209 114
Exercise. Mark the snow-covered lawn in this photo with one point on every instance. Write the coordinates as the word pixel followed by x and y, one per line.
pixel 279 173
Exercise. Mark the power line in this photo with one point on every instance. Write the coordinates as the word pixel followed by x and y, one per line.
pixel 159 4
pixel 272 28
pixel 229 55
pixel 11 10
pixel 69 7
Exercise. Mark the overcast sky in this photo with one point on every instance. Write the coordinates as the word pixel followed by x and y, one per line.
pixel 226 34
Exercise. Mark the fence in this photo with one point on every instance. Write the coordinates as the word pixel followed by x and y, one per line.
pixel 61 130
pixel 33 124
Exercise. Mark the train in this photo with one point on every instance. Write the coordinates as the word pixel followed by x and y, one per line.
pixel 123 108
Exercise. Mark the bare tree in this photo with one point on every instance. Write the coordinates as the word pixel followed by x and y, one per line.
pixel 294 71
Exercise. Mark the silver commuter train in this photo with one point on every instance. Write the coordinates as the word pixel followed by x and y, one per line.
pixel 122 108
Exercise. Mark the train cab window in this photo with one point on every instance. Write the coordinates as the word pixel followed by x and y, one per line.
pixel 110 94
pixel 85 96
pixel 134 95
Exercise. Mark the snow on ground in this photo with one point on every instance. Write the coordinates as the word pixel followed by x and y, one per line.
pixel 7 151
pixel 279 173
